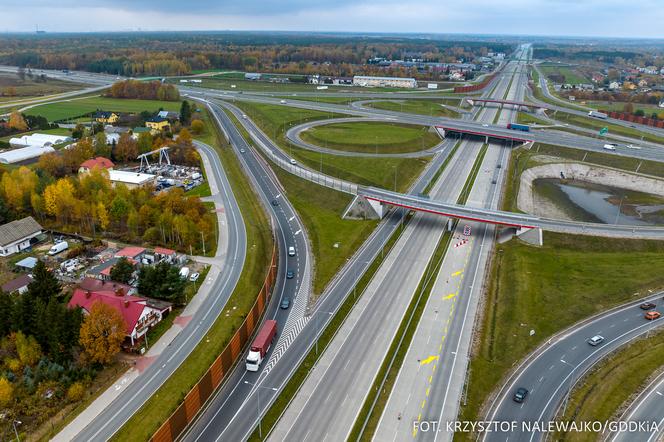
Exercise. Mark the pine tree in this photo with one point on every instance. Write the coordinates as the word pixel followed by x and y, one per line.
pixel 185 113
pixel 44 285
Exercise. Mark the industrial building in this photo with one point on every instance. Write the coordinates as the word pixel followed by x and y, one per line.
pixel 366 81
pixel 23 154
pixel 131 179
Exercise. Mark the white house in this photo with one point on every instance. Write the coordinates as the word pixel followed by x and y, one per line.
pixel 18 235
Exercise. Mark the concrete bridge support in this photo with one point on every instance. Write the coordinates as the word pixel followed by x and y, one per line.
pixel 530 235
pixel 362 208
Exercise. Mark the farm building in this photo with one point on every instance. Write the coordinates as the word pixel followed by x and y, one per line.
pixel 366 81
pixel 18 235
pixel 24 154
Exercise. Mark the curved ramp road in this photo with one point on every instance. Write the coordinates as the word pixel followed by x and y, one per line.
pixel 552 371
pixel 647 407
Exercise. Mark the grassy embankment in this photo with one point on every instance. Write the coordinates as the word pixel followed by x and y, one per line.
pixel 29 88
pixel 594 123
pixel 432 108
pixel 372 137
pixel 259 249
pixel 607 389
pixel 275 120
pixel 572 76
pixel 74 108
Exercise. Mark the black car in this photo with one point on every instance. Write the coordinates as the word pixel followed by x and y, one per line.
pixel 290 274
pixel 275 203
pixel 647 306
pixel 285 303
pixel 520 395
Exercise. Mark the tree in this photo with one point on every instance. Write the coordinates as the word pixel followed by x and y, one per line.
pixel 44 285
pixel 184 138
pixel 6 392
pixel 28 349
pixel 6 311
pixel 75 392
pixel 122 270
pixel 17 122
pixel 78 131
pixel 197 127
pixel 185 112
pixel 161 281
pixel 127 148
pixel 640 113
pixel 144 142
pixel 102 332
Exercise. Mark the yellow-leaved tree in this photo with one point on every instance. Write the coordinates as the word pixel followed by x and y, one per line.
pixel 102 332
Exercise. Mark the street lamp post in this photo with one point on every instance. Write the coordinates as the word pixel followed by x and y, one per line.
pixel 18 439
pixel 258 394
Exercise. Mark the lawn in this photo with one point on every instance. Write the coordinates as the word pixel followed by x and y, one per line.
pixel 577 275
pixel 612 382
pixel 526 118
pixel 259 249
pixel 372 137
pixel 273 120
pixel 74 108
pixel 572 76
pixel 594 123
pixel 432 108
pixel 619 106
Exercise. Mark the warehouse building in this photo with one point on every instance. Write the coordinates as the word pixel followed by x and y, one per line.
pixel 365 81
pixel 131 179
pixel 40 140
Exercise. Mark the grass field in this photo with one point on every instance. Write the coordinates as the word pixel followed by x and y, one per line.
pixel 362 170
pixel 572 76
pixel 594 123
pixel 259 249
pixel 525 118
pixel 74 108
pixel 620 106
pixel 323 99
pixel 602 392
pixel 372 137
pixel 29 88
pixel 578 275
pixel 432 108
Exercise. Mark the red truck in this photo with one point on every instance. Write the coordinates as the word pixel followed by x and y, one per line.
pixel 261 345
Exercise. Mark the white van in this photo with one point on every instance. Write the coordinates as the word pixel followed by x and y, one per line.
pixel 184 272
pixel 59 247
pixel 291 251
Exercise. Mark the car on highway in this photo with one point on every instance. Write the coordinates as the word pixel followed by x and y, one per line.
pixel 485 125
pixel 292 161
pixel 285 303
pixel 466 230
pixel 290 274
pixel 275 203
pixel 652 315
pixel 610 146
pixel 194 277
pixel 633 146
pixel 596 340
pixel 244 116
pixel 283 102
pixel 647 306
pixel 520 395
pixel 291 251
pixel 242 150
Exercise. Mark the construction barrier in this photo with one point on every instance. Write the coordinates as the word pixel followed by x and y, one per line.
pixel 213 378
pixel 634 119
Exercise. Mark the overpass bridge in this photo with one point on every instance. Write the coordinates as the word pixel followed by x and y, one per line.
pixel 486 132
pixel 501 103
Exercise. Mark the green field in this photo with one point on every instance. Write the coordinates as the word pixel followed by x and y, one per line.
pixel 572 76
pixel 594 123
pixel 76 107
pixel 379 172
pixel 372 137
pixel 578 275
pixel 29 88
pixel 601 393
pixel 433 108
pixel 526 118
pixel 618 106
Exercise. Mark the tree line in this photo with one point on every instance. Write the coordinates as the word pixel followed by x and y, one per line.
pixel 144 90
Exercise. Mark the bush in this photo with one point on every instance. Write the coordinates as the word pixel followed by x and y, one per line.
pixel 75 392
pixel 6 392
pixel 197 127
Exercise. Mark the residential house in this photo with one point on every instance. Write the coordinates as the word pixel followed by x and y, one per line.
pixel 18 285
pixel 169 115
pixel 93 285
pixel 157 124
pixel 18 235
pixel 138 313
pixel 132 253
pixel 137 131
pixel 106 117
pixel 99 162
pixel 614 85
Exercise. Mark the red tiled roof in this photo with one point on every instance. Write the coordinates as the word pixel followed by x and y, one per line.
pixel 94 284
pixel 130 307
pixel 164 251
pixel 100 162
pixel 130 252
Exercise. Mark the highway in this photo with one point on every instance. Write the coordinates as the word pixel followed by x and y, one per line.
pixel 647 407
pixel 553 369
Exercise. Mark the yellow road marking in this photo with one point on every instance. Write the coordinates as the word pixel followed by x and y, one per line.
pixel 428 360
pixel 450 296
pixel 457 273
pixel 427 392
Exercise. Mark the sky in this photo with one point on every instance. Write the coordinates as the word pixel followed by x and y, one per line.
pixel 601 18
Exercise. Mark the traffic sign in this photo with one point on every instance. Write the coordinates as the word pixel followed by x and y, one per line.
pixel 604 131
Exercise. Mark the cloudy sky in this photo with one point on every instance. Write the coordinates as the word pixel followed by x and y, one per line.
pixel 608 18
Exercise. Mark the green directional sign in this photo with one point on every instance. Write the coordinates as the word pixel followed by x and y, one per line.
pixel 604 131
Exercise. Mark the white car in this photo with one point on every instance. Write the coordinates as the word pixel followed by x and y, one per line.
pixel 485 125
pixel 610 146
pixel 292 161
pixel 194 277
pixel 244 116
pixel 632 146
pixel 283 102
pixel 291 251
pixel 596 340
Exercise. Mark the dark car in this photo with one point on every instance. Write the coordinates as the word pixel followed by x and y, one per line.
pixel 520 395
pixel 647 306
pixel 285 303
pixel 275 203
pixel 290 274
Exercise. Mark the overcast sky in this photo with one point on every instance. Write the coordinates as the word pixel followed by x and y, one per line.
pixel 607 18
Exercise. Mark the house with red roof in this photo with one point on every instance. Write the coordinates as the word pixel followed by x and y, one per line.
pixel 139 314
pixel 131 253
pixel 99 162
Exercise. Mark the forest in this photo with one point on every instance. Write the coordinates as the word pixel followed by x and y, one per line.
pixel 183 53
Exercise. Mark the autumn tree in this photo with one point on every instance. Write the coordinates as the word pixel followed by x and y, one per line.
pixel 102 333
pixel 75 392
pixel 144 143
pixel 17 122
pixel 126 149
pixel 6 392
pixel 197 127
pixel 28 349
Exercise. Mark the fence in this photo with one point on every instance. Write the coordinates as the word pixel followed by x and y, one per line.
pixel 213 378
pixel 634 119
pixel 475 87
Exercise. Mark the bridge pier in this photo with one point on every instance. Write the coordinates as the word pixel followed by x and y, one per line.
pixel 530 235
pixel 362 208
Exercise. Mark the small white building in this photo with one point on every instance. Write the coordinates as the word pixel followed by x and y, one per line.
pixel 18 235
pixel 131 179
pixel 366 81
